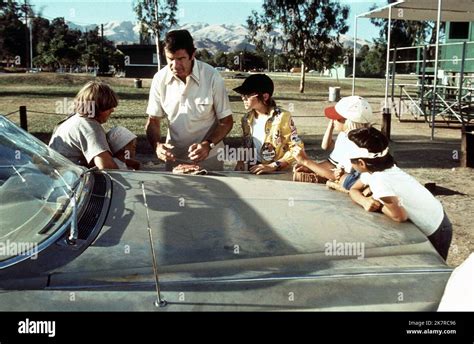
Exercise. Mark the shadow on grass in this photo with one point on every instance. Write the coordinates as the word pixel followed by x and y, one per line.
pixel 442 191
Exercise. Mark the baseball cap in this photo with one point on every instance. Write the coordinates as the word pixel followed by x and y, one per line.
pixel 119 137
pixel 354 108
pixel 256 83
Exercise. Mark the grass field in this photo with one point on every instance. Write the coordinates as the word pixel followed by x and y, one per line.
pixel 52 93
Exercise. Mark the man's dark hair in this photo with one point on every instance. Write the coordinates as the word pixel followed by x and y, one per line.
pixel 375 142
pixel 179 39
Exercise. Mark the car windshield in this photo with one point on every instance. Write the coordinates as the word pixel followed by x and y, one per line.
pixel 35 184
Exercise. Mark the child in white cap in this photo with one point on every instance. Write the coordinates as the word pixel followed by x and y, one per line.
pixel 349 113
pixel 123 144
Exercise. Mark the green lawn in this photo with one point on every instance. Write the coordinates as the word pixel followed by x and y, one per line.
pixel 50 94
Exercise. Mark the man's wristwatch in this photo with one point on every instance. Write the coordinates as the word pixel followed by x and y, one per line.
pixel 211 144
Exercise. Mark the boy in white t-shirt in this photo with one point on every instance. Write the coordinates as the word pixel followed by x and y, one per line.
pixel 397 194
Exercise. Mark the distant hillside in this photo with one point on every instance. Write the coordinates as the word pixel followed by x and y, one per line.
pixel 213 37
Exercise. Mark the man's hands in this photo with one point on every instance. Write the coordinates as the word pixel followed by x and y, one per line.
pixel 199 151
pixel 163 152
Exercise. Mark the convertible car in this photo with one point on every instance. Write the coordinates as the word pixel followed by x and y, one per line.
pixel 73 239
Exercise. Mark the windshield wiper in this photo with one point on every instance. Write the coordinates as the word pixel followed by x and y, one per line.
pixel 74 232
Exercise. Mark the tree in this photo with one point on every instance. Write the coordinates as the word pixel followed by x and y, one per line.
pixel 63 44
pixel 363 52
pixel 404 33
pixel 310 29
pixel 220 60
pixel 157 16
pixel 205 56
pixel 12 33
pixel 90 48
pixel 56 45
pixel 373 62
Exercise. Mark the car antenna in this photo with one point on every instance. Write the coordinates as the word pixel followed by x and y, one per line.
pixel 159 301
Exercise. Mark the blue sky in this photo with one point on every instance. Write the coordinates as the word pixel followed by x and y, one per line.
pixel 190 11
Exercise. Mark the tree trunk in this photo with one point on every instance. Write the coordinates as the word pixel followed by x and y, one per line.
pixel 302 77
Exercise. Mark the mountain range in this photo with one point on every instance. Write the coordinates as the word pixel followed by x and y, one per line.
pixel 213 37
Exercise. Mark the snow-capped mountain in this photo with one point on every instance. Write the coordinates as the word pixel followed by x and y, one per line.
pixel 213 37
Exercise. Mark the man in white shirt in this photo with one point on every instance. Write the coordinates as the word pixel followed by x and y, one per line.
pixel 192 95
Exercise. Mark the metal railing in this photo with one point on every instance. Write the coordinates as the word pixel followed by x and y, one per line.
pixel 448 101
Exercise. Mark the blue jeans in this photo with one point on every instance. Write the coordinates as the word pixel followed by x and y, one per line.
pixel 350 180
pixel 441 238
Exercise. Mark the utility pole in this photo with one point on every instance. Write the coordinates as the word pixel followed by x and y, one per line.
pixel 101 64
pixel 31 44
pixel 25 8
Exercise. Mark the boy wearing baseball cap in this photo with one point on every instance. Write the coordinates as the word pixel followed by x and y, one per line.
pixel 349 113
pixel 268 130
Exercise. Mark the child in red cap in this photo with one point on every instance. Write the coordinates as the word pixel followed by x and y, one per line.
pixel 349 113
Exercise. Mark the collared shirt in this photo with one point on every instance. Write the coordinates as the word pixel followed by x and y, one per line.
pixel 280 136
pixel 192 108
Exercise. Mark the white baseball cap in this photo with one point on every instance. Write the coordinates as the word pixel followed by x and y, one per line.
pixel 119 137
pixel 354 108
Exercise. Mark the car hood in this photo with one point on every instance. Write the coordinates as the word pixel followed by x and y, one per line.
pixel 239 243
pixel 242 224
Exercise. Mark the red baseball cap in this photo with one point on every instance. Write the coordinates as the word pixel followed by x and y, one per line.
pixel 331 113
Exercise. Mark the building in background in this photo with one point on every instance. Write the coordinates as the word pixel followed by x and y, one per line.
pixel 140 60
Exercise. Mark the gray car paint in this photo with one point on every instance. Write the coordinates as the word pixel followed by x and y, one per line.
pixel 239 242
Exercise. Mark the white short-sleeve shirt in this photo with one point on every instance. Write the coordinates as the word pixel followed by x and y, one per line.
pixel 339 156
pixel 192 108
pixel 423 209
pixel 258 134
